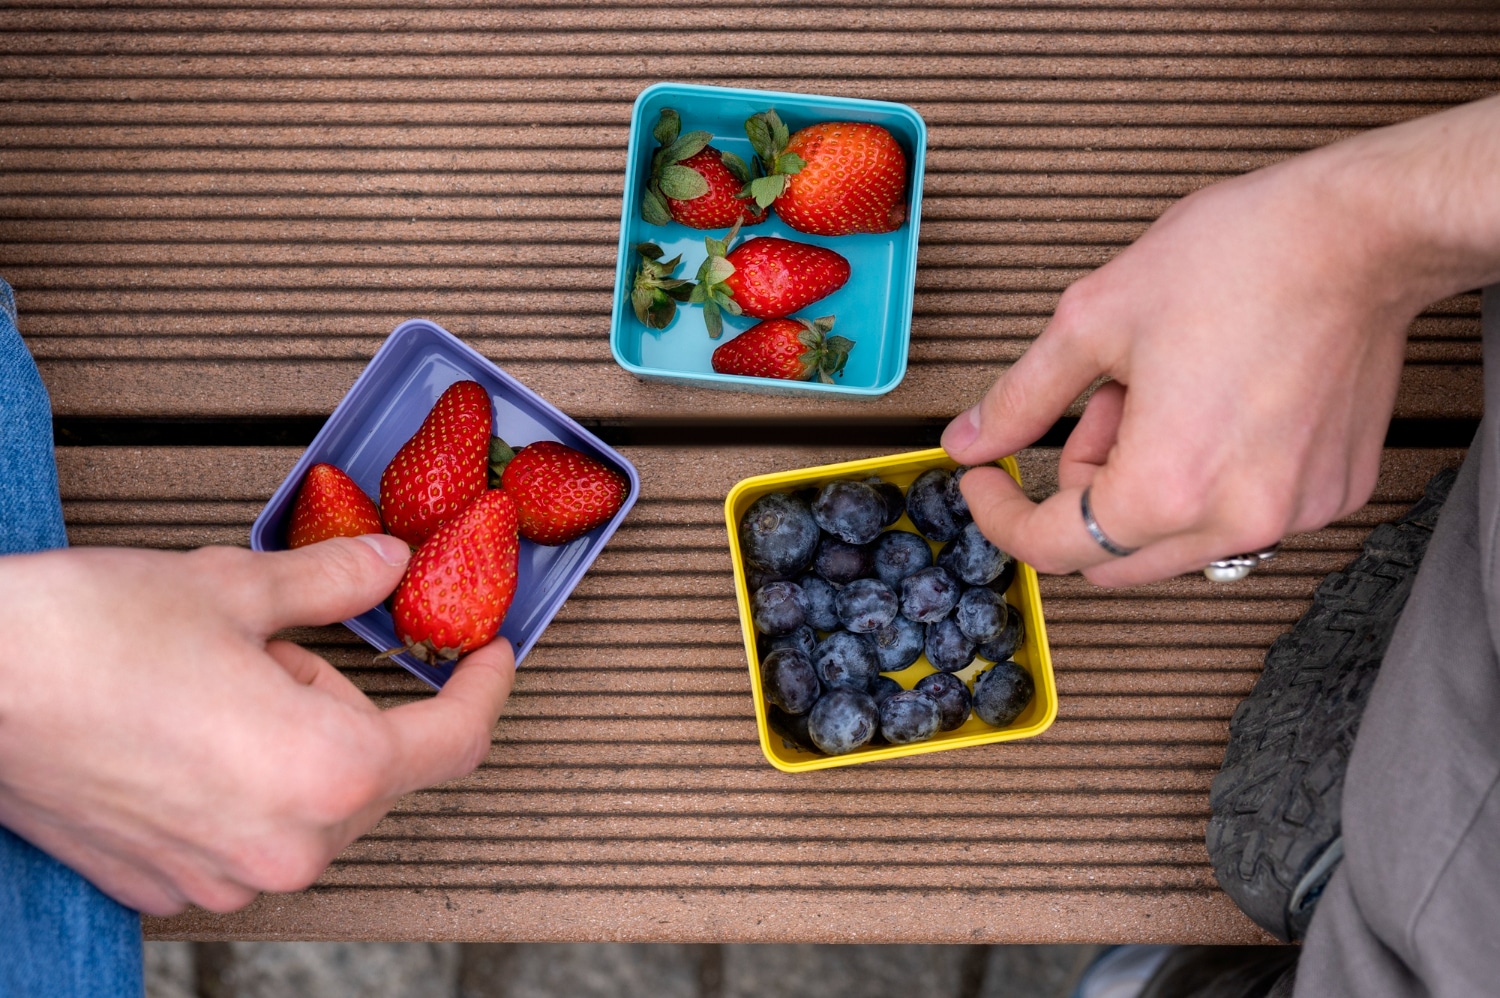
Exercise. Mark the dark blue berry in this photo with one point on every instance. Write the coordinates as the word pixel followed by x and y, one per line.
pixel 778 534
pixel 846 661
pixel 789 681
pixel 927 505
pixel 757 577
pixel 1009 640
pixel 1001 693
pixel 894 498
pixel 898 644
pixel 791 727
pixel 842 721
pixel 777 608
pixel 899 553
pixel 1001 583
pixel 817 598
pixel 929 595
pixel 952 698
pixel 841 563
pixel 803 639
pixel 954 495
pixel 852 511
pixel 946 647
pixel 980 615
pixel 882 688
pixel 866 605
pixel 909 716
pixel 972 558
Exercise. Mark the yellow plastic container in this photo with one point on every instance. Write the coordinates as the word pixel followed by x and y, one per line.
pixel 1034 655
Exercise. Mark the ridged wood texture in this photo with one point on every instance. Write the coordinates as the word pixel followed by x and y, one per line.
pixel 626 797
pixel 222 211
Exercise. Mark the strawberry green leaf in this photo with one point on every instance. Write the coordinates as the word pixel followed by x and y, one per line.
pixel 725 301
pixel 500 455
pixel 716 270
pixel 689 145
pixel 835 356
pixel 790 163
pixel 682 183
pixel 654 208
pixel 767 189
pixel 699 294
pixel 779 133
pixel 758 131
pixel 667 127
pixel 679 290
pixel 712 319
pixel 736 166
pixel 650 251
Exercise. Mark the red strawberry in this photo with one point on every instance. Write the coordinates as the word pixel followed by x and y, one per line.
pixel 765 277
pixel 789 349
pixel 439 471
pixel 695 184
pixel 834 178
pixel 460 582
pixel 560 493
pixel 329 504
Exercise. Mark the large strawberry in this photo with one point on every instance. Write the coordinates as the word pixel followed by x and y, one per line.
pixel 789 349
pixel 834 178
pixel 439 471
pixel 695 184
pixel 460 583
pixel 560 493
pixel 329 504
pixel 765 278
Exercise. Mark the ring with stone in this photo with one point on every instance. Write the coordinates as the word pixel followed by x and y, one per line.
pixel 1097 532
pixel 1236 567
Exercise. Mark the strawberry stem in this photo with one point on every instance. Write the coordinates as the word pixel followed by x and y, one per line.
pixel 501 454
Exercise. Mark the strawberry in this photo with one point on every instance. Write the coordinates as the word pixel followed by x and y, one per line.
pixel 789 349
pixel 440 470
pixel 765 277
pixel 834 178
pixel 460 582
pixel 560 493
pixel 694 183
pixel 656 292
pixel 329 504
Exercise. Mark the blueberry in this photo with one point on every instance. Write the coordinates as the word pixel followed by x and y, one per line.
pixel 954 496
pixel 952 698
pixel 777 608
pixel 972 558
pixel 803 639
pixel 1001 693
pixel 946 647
pixel 909 716
pixel 789 681
pixel 929 595
pixel 791 727
pixel 899 553
pixel 841 563
pixel 1001 582
pixel 852 511
pixel 842 721
pixel 980 615
pixel 866 605
pixel 895 500
pixel 757 577
pixel 927 505
pixel 898 644
pixel 778 534
pixel 846 661
pixel 817 599
pixel 1010 638
pixel 882 688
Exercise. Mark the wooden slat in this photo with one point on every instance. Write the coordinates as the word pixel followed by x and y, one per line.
pixel 625 775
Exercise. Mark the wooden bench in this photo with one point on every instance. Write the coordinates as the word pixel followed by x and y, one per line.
pixel 212 218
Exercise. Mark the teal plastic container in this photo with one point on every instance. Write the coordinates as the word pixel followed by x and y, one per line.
pixel 873 309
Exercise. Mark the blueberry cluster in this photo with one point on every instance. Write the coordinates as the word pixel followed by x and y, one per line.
pixel 839 598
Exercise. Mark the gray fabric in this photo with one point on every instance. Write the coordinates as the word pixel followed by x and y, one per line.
pixel 1414 910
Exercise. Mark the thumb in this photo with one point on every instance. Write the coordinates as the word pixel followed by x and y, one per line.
pixel 1025 401
pixel 326 582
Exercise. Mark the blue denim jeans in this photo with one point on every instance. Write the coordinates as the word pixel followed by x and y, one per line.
pixel 59 936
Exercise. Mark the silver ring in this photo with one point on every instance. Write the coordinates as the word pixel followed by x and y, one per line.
pixel 1097 533
pixel 1236 567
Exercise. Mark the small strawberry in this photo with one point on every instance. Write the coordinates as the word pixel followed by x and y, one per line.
pixel 765 277
pixel 329 504
pixel 460 582
pixel 789 349
pixel 560 493
pixel 439 471
pixel 834 178
pixel 695 184
pixel 656 292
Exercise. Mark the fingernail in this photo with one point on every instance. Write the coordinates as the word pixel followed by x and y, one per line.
pixel 962 431
pixel 392 550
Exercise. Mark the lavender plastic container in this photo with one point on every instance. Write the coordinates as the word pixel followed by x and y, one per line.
pixel 385 407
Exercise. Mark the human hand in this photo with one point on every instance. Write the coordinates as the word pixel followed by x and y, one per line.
pixel 155 740
pixel 1255 337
